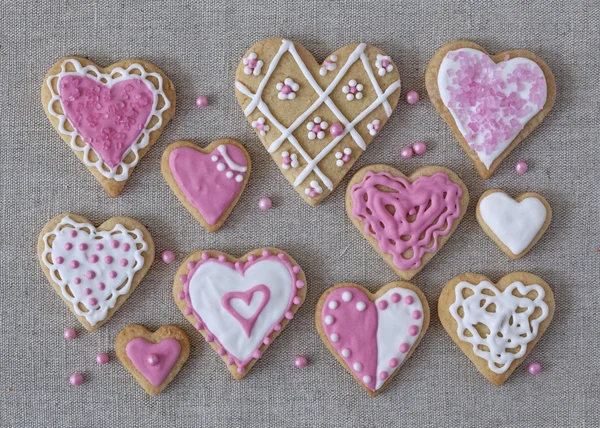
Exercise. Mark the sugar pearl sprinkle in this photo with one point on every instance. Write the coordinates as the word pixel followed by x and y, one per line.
pixel 412 97
pixel 76 379
pixel 534 368
pixel 168 257
pixel 521 167
pixel 300 361
pixel 70 334
pixel 264 203
pixel 102 358
pixel 406 152
pixel 201 101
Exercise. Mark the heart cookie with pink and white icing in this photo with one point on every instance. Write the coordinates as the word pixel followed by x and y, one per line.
pixel 240 305
pixel 110 117
pixel 372 335
pixel 490 102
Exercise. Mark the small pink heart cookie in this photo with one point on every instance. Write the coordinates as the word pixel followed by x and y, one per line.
pixel 208 181
pixel 110 117
pixel 153 359
pixel 240 305
pixel 372 335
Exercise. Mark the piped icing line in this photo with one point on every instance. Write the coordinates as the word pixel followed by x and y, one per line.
pixel 108 80
pixel 83 277
pixel 504 334
pixel 230 163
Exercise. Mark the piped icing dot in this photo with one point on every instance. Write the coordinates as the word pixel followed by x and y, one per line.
pixel 393 362
pixel 74 264
pixel 267 340
pixel 296 269
pixel 125 247
pixel 87 291
pixel 114 243
pixel 346 296
pixel 93 301
pixel 256 354
pixel 346 352
pixel 357 366
pixel 404 347
pixel 73 233
pixel 181 295
pixel 59 260
pixel 68 246
pixel 221 352
pixel 209 337
pixel 289 315
pixel 361 306
pixel 230 361
pixel 382 304
pixel 409 300
pixel 101 286
pixel 277 327
pixel 251 258
pixel 191 265
pixel 182 279
pixel 108 260
pixel 333 304
pixel 77 281
pixel 90 274
pixel 240 370
pixel 416 314
pixel 367 379
pixel 99 246
pixel 413 330
pixel 187 311
pixel 334 337
pixel 93 258
pixel 112 274
pixel 205 255
pixel 299 283
pixel 199 326
pixel 383 375
pixel 395 298
pixel 238 265
pixel 266 253
pixel 297 300
pixel 281 256
pixel 329 320
pixel 221 258
pixel 83 246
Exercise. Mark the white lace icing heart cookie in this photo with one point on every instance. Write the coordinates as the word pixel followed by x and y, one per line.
pixel 496 326
pixel 240 305
pixel 110 117
pixel 515 225
pixel 316 120
pixel 94 269
pixel 490 102
pixel 372 335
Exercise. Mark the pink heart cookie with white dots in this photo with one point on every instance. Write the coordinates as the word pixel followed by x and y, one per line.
pixel 372 335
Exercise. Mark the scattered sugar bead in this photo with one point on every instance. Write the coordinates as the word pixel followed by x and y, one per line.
pixel 152 359
pixel 406 152
pixel 419 147
pixel 300 361
pixel 168 257
pixel 76 379
pixel 336 129
pixel 534 368
pixel 102 358
pixel 201 101
pixel 70 333
pixel 412 97
pixel 521 167
pixel 265 203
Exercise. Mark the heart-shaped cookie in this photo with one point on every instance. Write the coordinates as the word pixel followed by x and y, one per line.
pixel 110 117
pixel 240 305
pixel 316 120
pixel 372 335
pixel 490 102
pixel 496 326
pixel 208 181
pixel 515 225
pixel 406 219
pixel 94 269
pixel 153 359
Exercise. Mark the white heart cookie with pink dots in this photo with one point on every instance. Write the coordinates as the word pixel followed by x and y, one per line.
pixel 372 335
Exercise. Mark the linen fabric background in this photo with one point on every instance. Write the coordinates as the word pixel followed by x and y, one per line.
pixel 198 45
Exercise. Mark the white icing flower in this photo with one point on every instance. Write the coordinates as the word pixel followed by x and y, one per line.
pixel 328 65
pixel 317 128
pixel 252 64
pixel 314 189
pixel 287 89
pixel 344 157
pixel 353 90
pixel 373 127
pixel 289 160
pixel 259 125
pixel 383 64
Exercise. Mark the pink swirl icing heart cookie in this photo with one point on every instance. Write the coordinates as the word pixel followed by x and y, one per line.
pixel 406 219
pixel 110 117
pixel 208 181
pixel 240 305
pixel 372 335
pixel 490 102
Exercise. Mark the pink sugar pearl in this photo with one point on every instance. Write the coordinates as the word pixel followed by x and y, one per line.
pixel 265 203
pixel 336 129
pixel 76 379
pixel 419 147
pixel 168 257
pixel 412 97
pixel 406 152
pixel 69 333
pixel 521 167
pixel 201 101
pixel 300 361
pixel 152 359
pixel 534 368
pixel 102 358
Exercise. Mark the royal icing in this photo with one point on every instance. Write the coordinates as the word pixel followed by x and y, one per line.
pixel 92 267
pixel 239 305
pixel 373 338
pixel 110 113
pixel 406 218
pixel 328 65
pixel 256 101
pixel 516 224
pixel 209 181
pixel 490 102
pixel 506 315
pixel 153 360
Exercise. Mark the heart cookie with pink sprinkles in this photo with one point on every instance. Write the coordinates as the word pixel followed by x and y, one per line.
pixel 490 102
pixel 110 117
pixel 372 335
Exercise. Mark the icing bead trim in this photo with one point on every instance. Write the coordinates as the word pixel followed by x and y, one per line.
pixel 259 125
pixel 253 65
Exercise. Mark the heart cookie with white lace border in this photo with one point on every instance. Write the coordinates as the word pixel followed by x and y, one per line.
pixel 515 225
pixel 406 219
pixel 316 120
pixel 240 305
pixel 372 335
pixel 496 325
pixel 94 269
pixel 110 117
pixel 153 358
pixel 490 102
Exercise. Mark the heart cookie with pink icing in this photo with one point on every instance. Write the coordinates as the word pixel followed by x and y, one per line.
pixel 153 358
pixel 208 181
pixel 406 219
pixel 110 117
pixel 240 305
pixel 490 102
pixel 372 335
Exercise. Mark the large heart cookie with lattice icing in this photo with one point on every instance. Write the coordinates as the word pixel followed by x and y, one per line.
pixel 491 103
pixel 110 117
pixel 496 325
pixel 406 219
pixel 316 120
pixel 94 269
